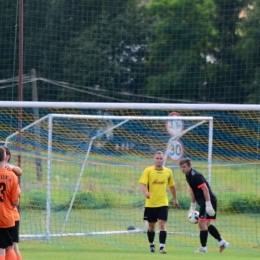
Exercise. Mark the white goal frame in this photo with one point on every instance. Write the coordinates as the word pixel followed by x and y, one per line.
pixel 125 119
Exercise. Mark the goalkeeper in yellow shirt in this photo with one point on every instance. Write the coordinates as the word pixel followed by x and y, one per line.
pixel 154 182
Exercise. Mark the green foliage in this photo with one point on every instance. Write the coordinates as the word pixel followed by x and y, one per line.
pixel 247 49
pixel 185 34
pixel 184 202
pixel 35 199
pixel 198 50
pixel 238 203
pixel 193 56
pixel 109 56
pixel 227 203
pixel 225 72
pixel 137 202
pixel 245 204
pixel 87 200
pixel 90 200
pixel 50 27
pixel 8 46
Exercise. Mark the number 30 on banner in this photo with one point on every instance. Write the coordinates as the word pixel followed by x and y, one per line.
pixel 175 150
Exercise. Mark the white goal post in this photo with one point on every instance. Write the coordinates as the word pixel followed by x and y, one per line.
pixel 50 118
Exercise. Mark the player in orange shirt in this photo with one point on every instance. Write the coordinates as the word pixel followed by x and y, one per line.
pixel 9 198
pixel 18 172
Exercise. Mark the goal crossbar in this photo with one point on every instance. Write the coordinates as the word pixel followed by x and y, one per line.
pixel 147 106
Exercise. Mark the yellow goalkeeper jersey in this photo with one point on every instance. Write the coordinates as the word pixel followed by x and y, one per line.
pixel 157 182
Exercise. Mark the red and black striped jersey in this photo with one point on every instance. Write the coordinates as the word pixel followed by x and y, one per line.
pixel 196 180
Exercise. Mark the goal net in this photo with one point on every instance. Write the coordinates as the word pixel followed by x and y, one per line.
pixel 82 166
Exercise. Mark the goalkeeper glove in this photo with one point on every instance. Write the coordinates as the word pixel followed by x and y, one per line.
pixel 209 209
pixel 192 207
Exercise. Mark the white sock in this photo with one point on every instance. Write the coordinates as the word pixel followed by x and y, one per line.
pixel 162 245
pixel 222 241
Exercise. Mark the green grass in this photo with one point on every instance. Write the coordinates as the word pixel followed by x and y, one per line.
pixel 241 230
pixel 36 250
pixel 118 190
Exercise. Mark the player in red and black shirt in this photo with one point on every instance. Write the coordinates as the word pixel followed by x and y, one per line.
pixel 201 193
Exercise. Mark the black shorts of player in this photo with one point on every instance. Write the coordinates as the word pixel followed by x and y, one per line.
pixel 203 214
pixel 6 237
pixel 16 232
pixel 153 214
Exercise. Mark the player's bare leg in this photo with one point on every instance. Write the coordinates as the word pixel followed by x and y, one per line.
pixel 17 252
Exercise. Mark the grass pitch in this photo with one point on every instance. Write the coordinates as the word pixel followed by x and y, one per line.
pixel 37 250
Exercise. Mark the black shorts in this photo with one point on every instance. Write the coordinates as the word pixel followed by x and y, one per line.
pixel 6 237
pixel 153 214
pixel 203 214
pixel 16 231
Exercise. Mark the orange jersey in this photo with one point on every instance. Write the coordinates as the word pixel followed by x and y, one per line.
pixel 16 214
pixel 8 193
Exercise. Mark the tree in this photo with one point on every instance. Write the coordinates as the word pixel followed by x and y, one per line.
pixel 185 33
pixel 51 27
pixel 8 47
pixel 193 57
pixel 226 71
pixel 110 56
pixel 248 49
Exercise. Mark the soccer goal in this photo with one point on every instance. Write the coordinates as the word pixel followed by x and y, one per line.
pixel 92 163
pixel 82 166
